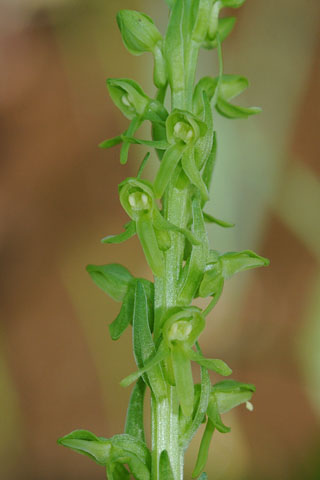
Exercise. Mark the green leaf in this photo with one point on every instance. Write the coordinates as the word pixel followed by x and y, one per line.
pixel 229 110
pixel 134 420
pixel 116 471
pixel 183 378
pixel 113 279
pixel 124 319
pixel 214 415
pixel 135 446
pixel 235 262
pixel 218 366
pixel 168 164
pixel 203 450
pixel 165 469
pixel 111 142
pixel 130 231
pixel 143 345
pixel 139 33
pixel 210 219
pixel 86 443
pixel 198 257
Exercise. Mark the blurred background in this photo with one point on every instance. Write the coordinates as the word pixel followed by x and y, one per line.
pixel 59 369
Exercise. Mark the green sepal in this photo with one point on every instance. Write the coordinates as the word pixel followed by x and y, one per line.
pixel 111 142
pixel 183 378
pixel 168 165
pixel 231 111
pixel 235 262
pixel 128 96
pixel 197 260
pixel 162 224
pixel 232 85
pixel 139 33
pixel 143 344
pixel 129 232
pixel 173 49
pixel 86 443
pixel 165 469
pixel 232 3
pixel 160 355
pixel 225 27
pixel 160 144
pixel 133 127
pixel 210 219
pixel 113 279
pixel 230 393
pixel 190 168
pixel 205 85
pixel 200 22
pixel 203 450
pixel 204 145
pixel 212 281
pixel 210 163
pixel 150 246
pixel 199 410
pixel 134 420
pixel 217 365
pixel 214 415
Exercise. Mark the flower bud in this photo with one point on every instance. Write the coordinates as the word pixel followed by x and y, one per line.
pixel 128 96
pixel 138 31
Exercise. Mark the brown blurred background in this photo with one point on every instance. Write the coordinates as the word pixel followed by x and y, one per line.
pixel 59 370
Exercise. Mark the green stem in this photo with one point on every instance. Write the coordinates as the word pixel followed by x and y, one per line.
pixel 165 414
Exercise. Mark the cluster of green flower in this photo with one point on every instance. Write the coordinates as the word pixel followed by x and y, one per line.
pixel 168 217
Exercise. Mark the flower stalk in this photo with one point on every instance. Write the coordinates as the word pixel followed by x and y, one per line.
pixel 168 216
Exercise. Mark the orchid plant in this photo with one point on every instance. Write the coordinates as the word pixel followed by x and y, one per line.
pixel 169 219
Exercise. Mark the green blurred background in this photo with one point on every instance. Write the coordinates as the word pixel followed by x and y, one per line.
pixel 59 370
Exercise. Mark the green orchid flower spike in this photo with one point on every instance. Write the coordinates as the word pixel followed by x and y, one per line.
pixel 169 216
